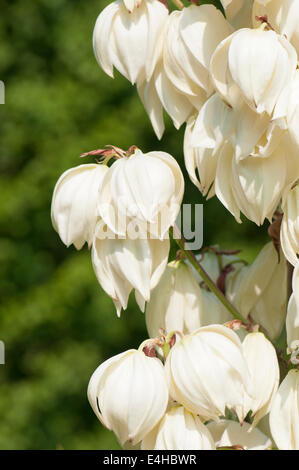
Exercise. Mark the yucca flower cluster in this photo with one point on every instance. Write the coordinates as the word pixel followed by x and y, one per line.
pixel 221 366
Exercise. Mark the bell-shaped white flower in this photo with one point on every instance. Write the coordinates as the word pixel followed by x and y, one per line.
pixel 159 92
pixel 228 433
pixel 263 366
pixel 129 395
pixel 179 430
pixel 252 185
pixel 179 304
pixel 145 187
pixel 207 372
pixel 287 109
pixel 192 36
pixel 238 12
pixel 74 209
pixel 260 290
pixel 292 320
pixel 175 303
pixel 121 265
pixel 292 326
pixel 265 56
pixel 289 232
pixel 283 16
pixel 200 162
pixel 130 40
pixel 284 415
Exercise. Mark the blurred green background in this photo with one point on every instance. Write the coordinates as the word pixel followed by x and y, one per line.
pixel 57 323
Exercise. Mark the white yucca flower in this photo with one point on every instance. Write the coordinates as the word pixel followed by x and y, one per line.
pixel 74 209
pixel 263 367
pixel 159 93
pixel 179 430
pixel 252 185
pixel 260 290
pixel 284 415
pixel 238 12
pixel 228 433
pixel 147 188
pixel 283 16
pixel 287 110
pixel 289 232
pixel 179 304
pixel 129 395
pixel 264 55
pixel 191 37
pixel 122 265
pixel 292 321
pixel 129 38
pixel 207 372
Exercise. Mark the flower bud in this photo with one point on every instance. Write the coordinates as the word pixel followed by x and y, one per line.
pixel 129 395
pixel 125 264
pixel 264 371
pixel 179 430
pixel 144 187
pixel 228 433
pixel 284 415
pixel 258 53
pixel 74 209
pixel 129 40
pixel 207 372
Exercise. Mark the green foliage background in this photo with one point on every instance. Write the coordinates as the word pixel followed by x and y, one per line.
pixel 57 323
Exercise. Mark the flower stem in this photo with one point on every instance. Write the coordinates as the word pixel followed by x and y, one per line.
pixel 177 236
pixel 178 4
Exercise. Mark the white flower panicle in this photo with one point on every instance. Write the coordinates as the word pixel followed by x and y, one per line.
pixel 129 395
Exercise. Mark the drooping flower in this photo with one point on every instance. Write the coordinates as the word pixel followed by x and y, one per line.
pixel 265 56
pixel 142 187
pixel 179 304
pixel 263 366
pixel 207 372
pixel 283 16
pixel 74 209
pixel 292 320
pixel 191 37
pixel 122 265
pixel 179 430
pixel 129 395
pixel 129 38
pixel 260 290
pixel 284 415
pixel 228 433
pixel 289 233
